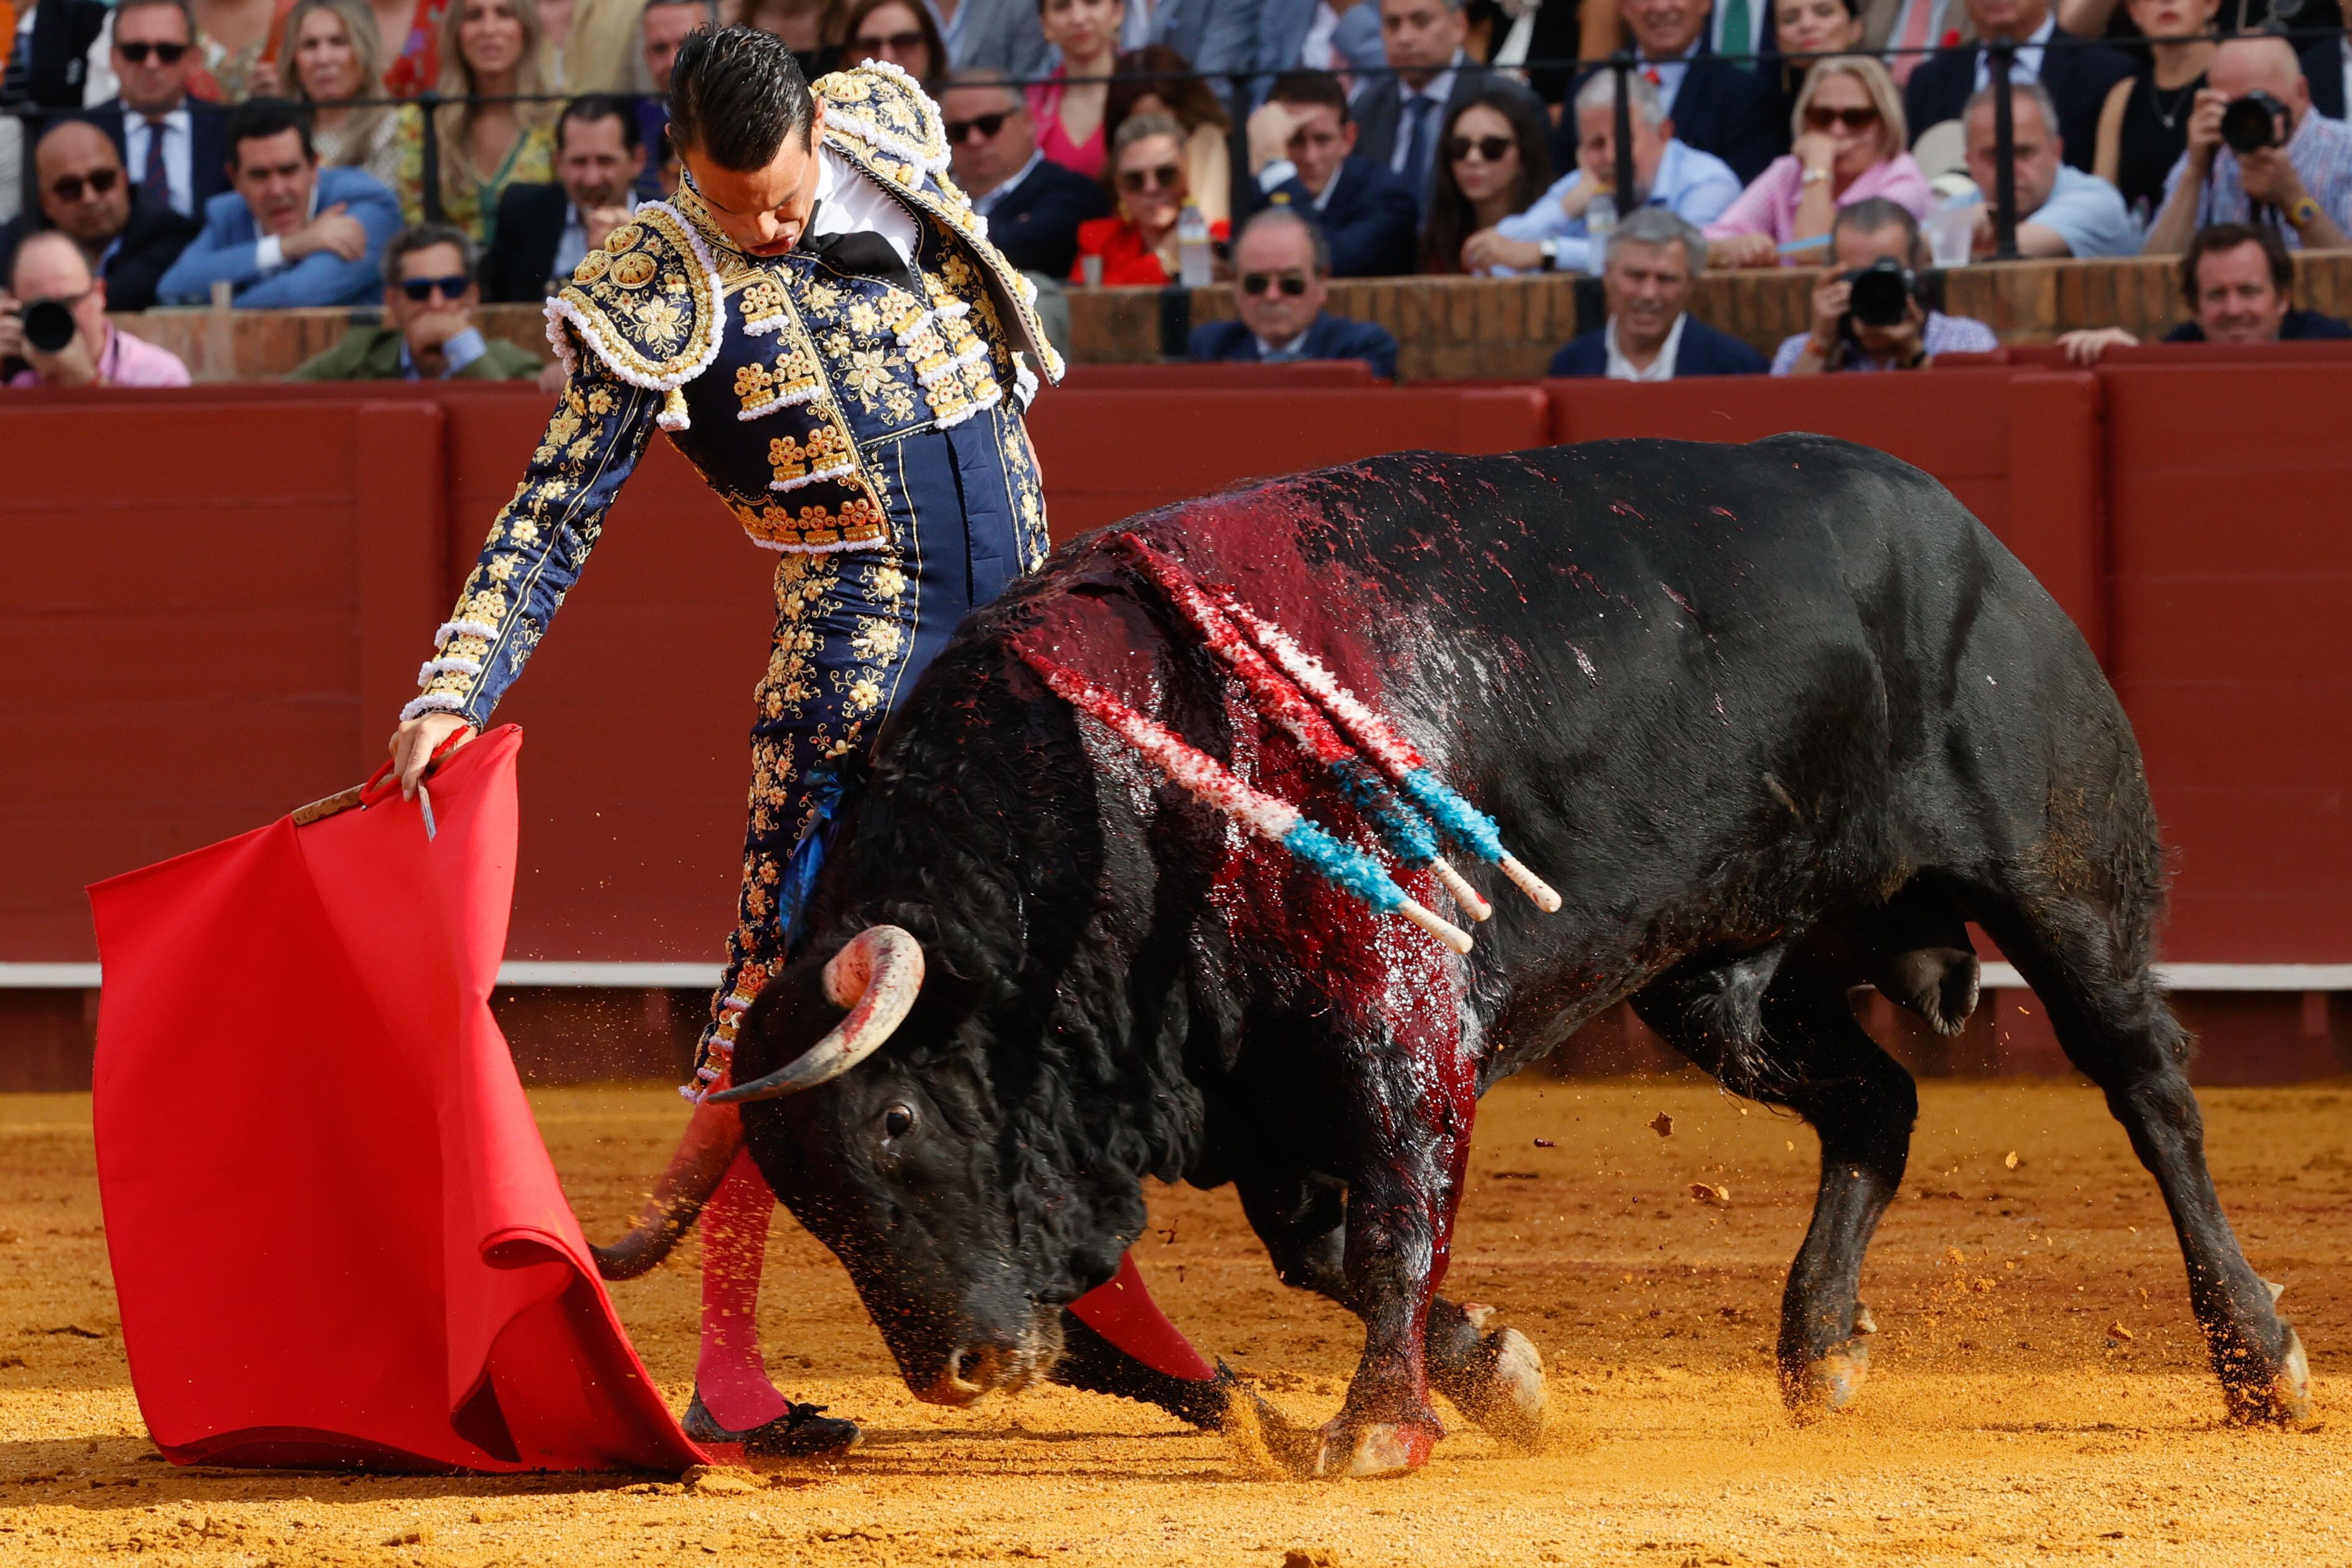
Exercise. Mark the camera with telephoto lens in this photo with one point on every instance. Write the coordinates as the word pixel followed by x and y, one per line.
pixel 2255 121
pixel 1880 295
pixel 48 325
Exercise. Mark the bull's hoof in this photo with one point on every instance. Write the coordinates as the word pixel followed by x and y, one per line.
pixel 1827 1384
pixel 2283 1400
pixel 1505 1392
pixel 1374 1450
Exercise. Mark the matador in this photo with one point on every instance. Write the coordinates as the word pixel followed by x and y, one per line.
pixel 819 322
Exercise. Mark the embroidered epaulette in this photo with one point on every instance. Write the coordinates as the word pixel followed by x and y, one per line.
pixel 648 305
pixel 881 105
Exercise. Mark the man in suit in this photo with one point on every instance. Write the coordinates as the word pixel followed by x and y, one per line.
pixel 2326 65
pixel 429 332
pixel 1404 113
pixel 165 140
pixel 288 232
pixel 546 230
pixel 1715 106
pixel 1303 154
pixel 1217 36
pixel 2076 78
pixel 1033 204
pixel 128 237
pixel 1296 35
pixel 1282 272
pixel 1653 257
pixel 999 35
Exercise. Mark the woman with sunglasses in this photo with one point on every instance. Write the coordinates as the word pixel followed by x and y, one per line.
pixel 490 50
pixel 333 57
pixel 1493 164
pixel 1156 80
pixel 1070 108
pixel 1148 180
pixel 900 33
pixel 1850 147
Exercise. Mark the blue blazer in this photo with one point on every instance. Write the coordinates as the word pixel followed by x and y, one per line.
pixel 1703 351
pixel 1373 221
pixel 1035 224
pixel 1216 35
pixel 1719 108
pixel 1329 337
pixel 225 251
pixel 1282 27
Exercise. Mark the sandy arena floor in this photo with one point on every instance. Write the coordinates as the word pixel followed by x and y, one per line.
pixel 2039 1392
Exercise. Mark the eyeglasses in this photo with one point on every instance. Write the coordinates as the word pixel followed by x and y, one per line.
pixel 1817 118
pixel 905 43
pixel 1493 149
pixel 170 54
pixel 988 125
pixel 420 289
pixel 1166 177
pixel 1256 283
pixel 99 181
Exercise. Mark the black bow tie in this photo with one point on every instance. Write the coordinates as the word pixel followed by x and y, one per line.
pixel 861 252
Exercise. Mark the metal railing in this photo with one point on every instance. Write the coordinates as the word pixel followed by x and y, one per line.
pixel 1239 91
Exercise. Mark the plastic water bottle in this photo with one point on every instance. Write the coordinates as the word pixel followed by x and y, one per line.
pixel 1600 222
pixel 1193 262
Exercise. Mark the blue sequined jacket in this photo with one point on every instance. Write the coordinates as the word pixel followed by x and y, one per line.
pixel 777 377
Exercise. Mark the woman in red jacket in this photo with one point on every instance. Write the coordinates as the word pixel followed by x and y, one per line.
pixel 1147 178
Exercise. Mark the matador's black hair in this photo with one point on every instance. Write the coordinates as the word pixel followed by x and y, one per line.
pixel 735 94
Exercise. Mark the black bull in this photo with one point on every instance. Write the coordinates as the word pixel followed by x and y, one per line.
pixel 1775 720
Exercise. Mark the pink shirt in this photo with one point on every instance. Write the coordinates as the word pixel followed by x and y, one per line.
pixel 1045 108
pixel 1770 205
pixel 127 362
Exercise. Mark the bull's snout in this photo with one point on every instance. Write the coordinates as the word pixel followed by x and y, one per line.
pixel 969 1371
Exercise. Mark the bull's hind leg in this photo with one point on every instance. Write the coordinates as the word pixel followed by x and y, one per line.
pixel 1494 1375
pixel 1791 1039
pixel 2112 1021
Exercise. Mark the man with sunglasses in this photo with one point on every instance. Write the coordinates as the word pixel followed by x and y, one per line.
pixel 128 237
pixel 1033 204
pixel 1282 272
pixel 167 141
pixel 429 332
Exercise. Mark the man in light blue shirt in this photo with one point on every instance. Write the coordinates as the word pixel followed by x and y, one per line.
pixel 1555 234
pixel 2061 209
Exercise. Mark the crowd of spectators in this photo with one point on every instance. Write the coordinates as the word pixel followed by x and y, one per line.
pixel 263 153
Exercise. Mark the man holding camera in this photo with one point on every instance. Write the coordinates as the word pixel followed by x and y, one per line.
pixel 2258 154
pixel 59 335
pixel 1868 309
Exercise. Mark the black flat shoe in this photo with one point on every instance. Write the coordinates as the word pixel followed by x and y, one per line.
pixel 801 1432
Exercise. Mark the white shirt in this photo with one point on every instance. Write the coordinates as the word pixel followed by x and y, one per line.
pixel 1437 90
pixel 1266 351
pixel 986 205
pixel 2026 64
pixel 848 201
pixel 179 154
pixel 572 244
pixel 1660 369
pixel 270 250
pixel 1317 54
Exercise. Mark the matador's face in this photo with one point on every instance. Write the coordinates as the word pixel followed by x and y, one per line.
pixel 762 211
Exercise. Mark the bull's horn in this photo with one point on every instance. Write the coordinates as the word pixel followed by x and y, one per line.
pixel 695 1172
pixel 875 976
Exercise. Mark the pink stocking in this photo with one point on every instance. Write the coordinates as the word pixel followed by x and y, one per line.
pixel 731 1377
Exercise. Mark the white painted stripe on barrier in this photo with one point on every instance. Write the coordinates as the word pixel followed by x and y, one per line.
pixel 697 977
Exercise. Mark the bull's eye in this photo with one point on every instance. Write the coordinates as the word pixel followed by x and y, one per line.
pixel 898 1121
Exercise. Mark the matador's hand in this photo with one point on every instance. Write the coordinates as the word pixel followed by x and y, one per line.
pixel 414 742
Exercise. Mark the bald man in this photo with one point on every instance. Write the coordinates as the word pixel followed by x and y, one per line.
pixel 128 237
pixel 2301 185
pixel 51 268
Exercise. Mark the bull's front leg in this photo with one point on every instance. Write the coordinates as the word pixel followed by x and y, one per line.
pixel 1413 1102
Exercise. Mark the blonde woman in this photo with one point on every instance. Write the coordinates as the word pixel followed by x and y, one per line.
pixel 489 50
pixel 1851 143
pixel 333 56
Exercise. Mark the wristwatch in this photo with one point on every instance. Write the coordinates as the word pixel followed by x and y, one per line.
pixel 1551 249
pixel 2302 214
pixel 1814 177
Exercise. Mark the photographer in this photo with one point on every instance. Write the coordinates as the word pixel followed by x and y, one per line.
pixel 1868 309
pixel 2254 139
pixel 53 326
